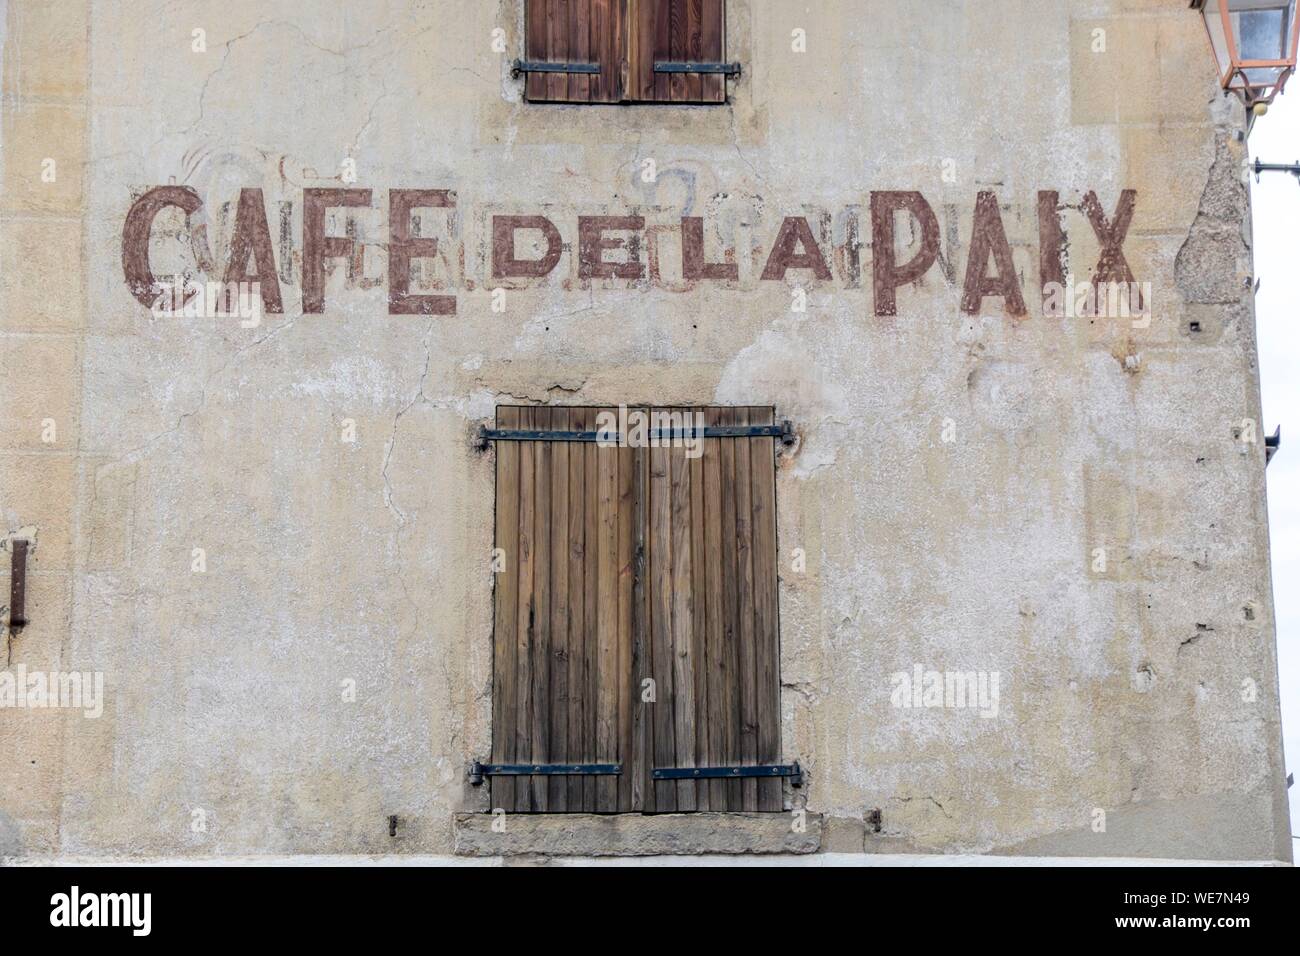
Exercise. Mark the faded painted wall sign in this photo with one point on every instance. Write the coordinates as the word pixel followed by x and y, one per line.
pixel 427 258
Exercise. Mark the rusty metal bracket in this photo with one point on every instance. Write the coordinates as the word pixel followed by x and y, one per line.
pixel 540 66
pixel 691 66
pixel 477 771
pixel 792 771
pixel 783 431
pixel 18 584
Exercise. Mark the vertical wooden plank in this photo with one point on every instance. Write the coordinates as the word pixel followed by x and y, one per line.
pixel 580 48
pixel 627 546
pixel 579 683
pixel 694 47
pixel 661 610
pixel 506 600
pixel 746 655
pixel 699 616
pixel 526 626
pixel 641 46
pixel 642 712
pixel 713 88
pixel 715 643
pixel 591 598
pixel 682 646
pixel 608 38
pixel 663 47
pixel 620 53
pixel 636 12
pixel 557 47
pixel 561 700
pixel 766 621
pixel 540 719
pixel 730 632
pixel 598 83
pixel 677 39
pixel 535 13
pixel 607 626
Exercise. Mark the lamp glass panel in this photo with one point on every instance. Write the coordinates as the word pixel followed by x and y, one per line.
pixel 1214 26
pixel 1262 28
pixel 1262 76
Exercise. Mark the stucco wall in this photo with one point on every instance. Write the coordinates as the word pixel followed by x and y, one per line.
pixel 327 561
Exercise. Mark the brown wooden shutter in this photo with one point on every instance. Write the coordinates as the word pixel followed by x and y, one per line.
pixel 624 564
pixel 676 31
pixel 625 38
pixel 576 32
pixel 562 644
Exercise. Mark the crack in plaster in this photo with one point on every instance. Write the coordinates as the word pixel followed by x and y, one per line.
pixel 131 456
pixel 229 45
pixel 946 814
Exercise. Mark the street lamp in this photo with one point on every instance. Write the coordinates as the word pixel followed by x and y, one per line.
pixel 1254 44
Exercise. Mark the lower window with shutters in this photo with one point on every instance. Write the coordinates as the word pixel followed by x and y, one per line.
pixel 635 622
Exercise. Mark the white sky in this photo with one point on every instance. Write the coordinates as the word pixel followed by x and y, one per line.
pixel 1276 207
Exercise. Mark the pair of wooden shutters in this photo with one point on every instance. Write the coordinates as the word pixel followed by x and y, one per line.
pixel 623 566
pixel 624 39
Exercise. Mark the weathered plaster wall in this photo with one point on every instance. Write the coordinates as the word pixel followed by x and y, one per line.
pixel 329 561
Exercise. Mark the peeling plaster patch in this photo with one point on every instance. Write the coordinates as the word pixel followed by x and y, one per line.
pixel 1144 679
pixel 777 370
pixel 481 404
pixel 1209 267
pixel 354 378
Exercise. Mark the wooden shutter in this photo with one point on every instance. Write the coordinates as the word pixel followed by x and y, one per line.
pixel 563 615
pixel 625 38
pixel 624 564
pixel 676 31
pixel 576 31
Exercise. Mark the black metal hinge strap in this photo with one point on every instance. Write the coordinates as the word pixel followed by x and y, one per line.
pixel 702 773
pixel 673 66
pixel 783 431
pixel 541 66
pixel 477 771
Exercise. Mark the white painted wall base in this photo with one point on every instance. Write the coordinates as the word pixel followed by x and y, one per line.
pixel 814 859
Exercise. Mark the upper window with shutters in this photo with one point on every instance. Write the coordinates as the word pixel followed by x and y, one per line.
pixel 625 51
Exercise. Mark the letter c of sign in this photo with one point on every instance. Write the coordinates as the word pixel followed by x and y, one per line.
pixel 135 235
